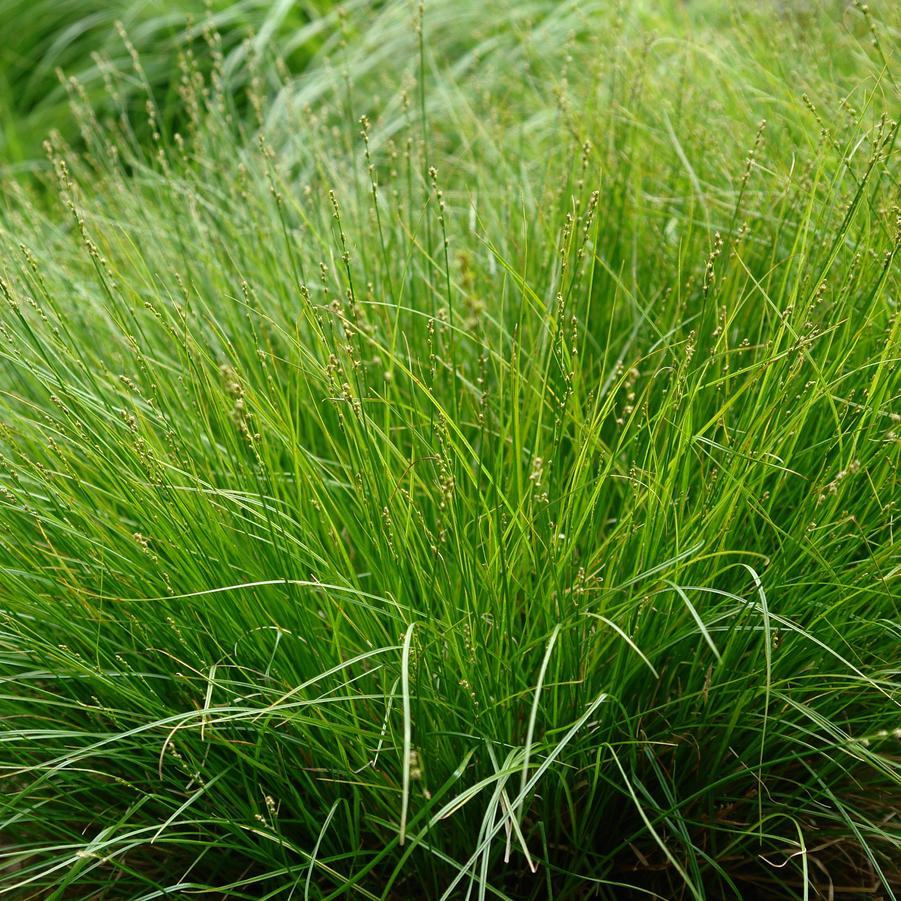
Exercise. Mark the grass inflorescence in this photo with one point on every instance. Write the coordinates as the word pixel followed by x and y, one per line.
pixel 465 469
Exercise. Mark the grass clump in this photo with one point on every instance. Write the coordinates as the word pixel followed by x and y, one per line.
pixel 472 474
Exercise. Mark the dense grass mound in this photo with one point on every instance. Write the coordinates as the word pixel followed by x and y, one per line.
pixel 470 470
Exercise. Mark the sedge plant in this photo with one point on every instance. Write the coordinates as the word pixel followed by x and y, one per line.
pixel 466 470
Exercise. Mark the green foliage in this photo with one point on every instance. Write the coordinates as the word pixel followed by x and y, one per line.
pixel 466 469
pixel 48 42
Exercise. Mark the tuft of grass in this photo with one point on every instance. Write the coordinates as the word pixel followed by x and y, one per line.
pixel 464 469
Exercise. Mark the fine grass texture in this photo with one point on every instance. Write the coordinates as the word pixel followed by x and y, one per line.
pixel 46 42
pixel 466 469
